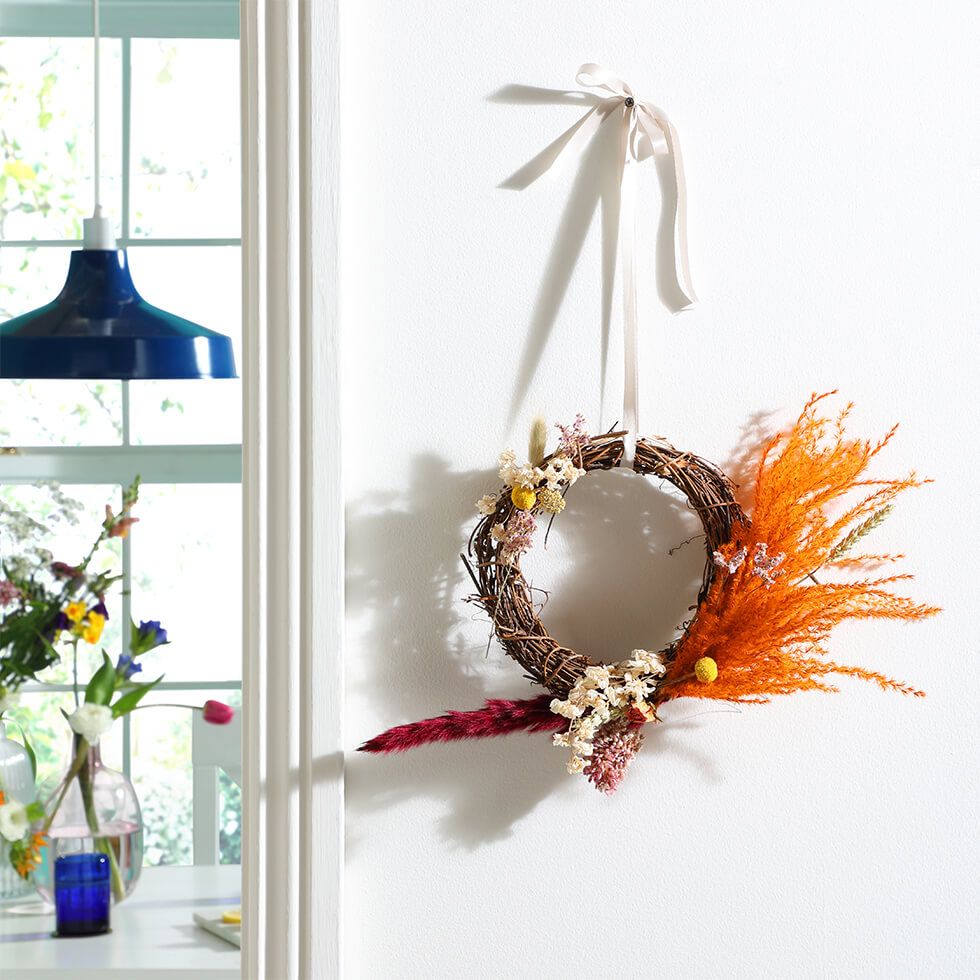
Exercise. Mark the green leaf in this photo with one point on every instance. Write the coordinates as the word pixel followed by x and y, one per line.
pixel 102 684
pixel 35 811
pixel 32 755
pixel 130 699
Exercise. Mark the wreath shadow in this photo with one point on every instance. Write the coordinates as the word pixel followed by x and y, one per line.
pixel 614 585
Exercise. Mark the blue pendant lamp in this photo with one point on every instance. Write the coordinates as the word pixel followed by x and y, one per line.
pixel 99 326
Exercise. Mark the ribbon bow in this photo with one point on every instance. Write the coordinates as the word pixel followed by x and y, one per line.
pixel 646 131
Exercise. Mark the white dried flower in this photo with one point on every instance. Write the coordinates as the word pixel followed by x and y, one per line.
pixel 561 739
pixel 575 765
pixel 565 708
pixel 598 676
pixel 13 820
pixel 736 561
pixel 508 466
pixel 527 476
pixel 91 721
pixel 487 504
pixel 498 532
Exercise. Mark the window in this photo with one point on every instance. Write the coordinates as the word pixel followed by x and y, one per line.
pixel 171 182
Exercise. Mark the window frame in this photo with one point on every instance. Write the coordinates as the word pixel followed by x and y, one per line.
pixel 119 463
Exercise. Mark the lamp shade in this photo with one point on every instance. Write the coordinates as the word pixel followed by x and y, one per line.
pixel 100 327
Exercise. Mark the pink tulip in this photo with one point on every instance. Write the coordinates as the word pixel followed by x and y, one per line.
pixel 217 713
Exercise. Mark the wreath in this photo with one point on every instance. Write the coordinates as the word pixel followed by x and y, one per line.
pixel 763 616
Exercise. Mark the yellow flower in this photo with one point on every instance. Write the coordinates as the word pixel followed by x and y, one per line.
pixel 92 632
pixel 706 670
pixel 75 611
pixel 551 501
pixel 523 497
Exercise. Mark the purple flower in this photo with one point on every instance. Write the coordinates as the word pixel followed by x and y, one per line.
pixel 147 636
pixel 126 667
pixel 100 608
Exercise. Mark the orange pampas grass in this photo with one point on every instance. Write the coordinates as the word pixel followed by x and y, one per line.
pixel 767 617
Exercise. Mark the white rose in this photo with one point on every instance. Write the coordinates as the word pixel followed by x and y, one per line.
pixel 13 820
pixel 91 721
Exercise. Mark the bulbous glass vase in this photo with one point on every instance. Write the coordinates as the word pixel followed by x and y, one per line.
pixel 92 809
pixel 16 783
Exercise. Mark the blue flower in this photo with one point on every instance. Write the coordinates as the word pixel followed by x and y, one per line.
pixel 147 636
pixel 125 666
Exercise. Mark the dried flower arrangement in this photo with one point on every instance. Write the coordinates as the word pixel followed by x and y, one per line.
pixel 763 618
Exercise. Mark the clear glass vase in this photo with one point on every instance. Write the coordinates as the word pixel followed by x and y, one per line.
pixel 92 809
pixel 16 783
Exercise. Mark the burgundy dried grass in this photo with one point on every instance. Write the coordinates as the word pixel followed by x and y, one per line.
pixel 496 717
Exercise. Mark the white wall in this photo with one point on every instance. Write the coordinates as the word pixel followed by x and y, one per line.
pixel 831 151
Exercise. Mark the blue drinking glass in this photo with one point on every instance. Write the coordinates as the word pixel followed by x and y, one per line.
pixel 81 894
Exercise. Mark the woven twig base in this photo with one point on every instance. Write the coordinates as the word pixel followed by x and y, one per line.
pixel 506 596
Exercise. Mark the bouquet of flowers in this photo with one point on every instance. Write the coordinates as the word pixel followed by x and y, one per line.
pixel 49 610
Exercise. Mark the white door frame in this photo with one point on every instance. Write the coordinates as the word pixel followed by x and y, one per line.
pixel 292 676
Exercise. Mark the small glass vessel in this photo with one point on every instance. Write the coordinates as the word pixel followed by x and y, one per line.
pixel 92 810
pixel 16 783
pixel 82 894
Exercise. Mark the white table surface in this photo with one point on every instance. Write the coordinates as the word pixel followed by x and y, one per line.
pixel 153 933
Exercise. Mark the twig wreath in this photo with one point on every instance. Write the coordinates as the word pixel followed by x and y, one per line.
pixel 763 617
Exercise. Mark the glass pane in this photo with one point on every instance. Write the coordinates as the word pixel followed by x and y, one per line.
pixel 204 285
pixel 185 139
pixel 50 413
pixel 163 774
pixel 65 522
pixel 187 560
pixel 46 140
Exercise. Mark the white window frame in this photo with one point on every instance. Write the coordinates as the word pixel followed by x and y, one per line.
pixel 120 463
pixel 294 528
pixel 293 799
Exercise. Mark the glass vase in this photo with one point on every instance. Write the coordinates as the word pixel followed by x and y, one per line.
pixel 16 783
pixel 92 809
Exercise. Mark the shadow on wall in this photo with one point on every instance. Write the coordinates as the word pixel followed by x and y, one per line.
pixel 621 589
pixel 596 185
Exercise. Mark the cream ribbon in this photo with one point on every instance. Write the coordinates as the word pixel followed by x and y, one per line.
pixel 646 131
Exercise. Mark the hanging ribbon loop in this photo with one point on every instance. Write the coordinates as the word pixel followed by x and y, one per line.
pixel 646 132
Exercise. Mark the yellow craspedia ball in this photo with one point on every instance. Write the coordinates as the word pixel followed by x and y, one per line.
pixel 706 670
pixel 523 497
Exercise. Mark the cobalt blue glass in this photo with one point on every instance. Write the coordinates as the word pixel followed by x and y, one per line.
pixel 81 894
pixel 100 327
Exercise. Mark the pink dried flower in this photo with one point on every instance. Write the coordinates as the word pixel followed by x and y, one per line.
pixel 614 747
pixel 573 438
pixel 518 534
pixel 9 592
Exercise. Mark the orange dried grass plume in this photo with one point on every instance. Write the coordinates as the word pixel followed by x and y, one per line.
pixel 770 639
